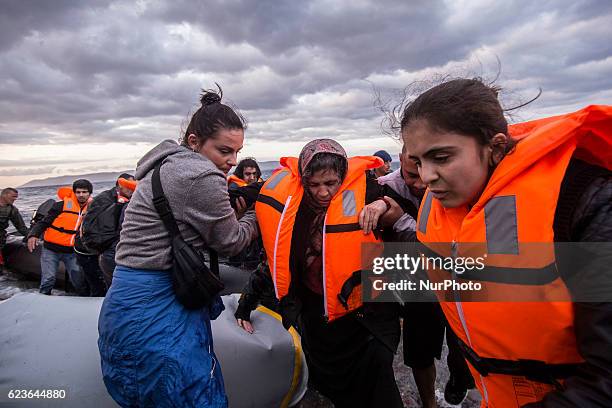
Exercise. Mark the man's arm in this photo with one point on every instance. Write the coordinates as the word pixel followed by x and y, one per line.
pixel 17 221
pixel 39 228
pixel 592 384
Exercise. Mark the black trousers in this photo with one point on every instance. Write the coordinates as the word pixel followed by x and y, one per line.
pixel 423 336
pixel 93 274
pixel 348 364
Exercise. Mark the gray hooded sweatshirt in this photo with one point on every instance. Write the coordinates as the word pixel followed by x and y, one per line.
pixel 198 197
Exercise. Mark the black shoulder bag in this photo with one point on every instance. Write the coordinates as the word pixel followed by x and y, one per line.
pixel 195 284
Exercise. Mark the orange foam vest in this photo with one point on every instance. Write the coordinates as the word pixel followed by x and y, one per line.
pixel 276 208
pixel 66 225
pixel 235 179
pixel 129 184
pixel 517 209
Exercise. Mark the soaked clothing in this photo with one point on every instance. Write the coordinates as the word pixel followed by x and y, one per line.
pixel 154 352
pixel 10 213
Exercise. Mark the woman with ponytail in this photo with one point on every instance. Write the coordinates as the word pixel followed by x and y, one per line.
pixel 155 352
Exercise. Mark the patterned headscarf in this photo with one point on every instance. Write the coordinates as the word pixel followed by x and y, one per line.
pixel 318 146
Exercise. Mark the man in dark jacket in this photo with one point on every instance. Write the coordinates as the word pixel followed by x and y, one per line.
pixel 8 212
pixel 60 228
pixel 87 259
pixel 386 167
pixel 102 225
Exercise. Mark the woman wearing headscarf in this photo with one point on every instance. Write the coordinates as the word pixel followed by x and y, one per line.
pixel 308 214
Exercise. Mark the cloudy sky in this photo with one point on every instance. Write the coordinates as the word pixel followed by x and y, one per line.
pixel 89 86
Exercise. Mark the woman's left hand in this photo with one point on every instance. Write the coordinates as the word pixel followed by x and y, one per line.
pixel 246 325
pixel 368 217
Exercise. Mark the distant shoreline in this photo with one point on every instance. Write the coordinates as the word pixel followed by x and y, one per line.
pixel 104 177
pixel 108 176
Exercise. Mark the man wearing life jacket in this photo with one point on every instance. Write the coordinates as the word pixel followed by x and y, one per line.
pixel 102 223
pixel 58 230
pixel 247 172
pixel 308 215
pixel 497 190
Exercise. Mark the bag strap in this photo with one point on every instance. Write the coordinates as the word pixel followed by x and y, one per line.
pixel 165 212
pixel 162 205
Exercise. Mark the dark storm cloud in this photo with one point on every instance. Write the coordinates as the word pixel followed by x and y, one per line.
pixel 124 71
pixel 18 18
pixel 23 171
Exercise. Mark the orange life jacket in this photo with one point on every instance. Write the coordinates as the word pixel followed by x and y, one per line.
pixel 129 184
pixel 276 208
pixel 235 179
pixel 125 183
pixel 66 225
pixel 532 343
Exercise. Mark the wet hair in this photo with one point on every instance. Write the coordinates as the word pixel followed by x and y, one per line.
pixel 9 190
pixel 211 117
pixel 84 184
pixel 244 163
pixel 326 161
pixel 466 106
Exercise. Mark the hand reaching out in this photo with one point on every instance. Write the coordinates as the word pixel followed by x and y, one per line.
pixel 368 217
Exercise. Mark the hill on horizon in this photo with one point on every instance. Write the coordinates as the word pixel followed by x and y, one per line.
pixel 68 180
pixel 108 176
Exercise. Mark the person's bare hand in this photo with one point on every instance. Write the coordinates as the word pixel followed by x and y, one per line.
pixel 241 207
pixel 32 243
pixel 393 213
pixel 246 325
pixel 368 217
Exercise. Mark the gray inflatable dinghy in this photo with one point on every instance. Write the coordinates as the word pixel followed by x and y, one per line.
pixel 19 260
pixel 50 343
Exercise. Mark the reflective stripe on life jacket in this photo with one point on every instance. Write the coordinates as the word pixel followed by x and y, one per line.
pixel 276 208
pixel 516 349
pixel 66 225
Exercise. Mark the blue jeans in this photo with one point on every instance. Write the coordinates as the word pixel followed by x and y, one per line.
pixel 49 263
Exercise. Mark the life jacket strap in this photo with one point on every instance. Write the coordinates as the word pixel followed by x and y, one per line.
pixel 272 202
pixel 347 288
pixel 534 370
pixel 63 230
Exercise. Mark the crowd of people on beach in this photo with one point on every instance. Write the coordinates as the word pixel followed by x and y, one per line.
pixel 465 177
